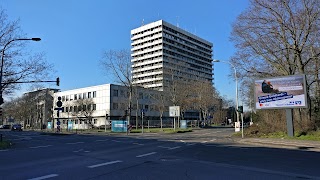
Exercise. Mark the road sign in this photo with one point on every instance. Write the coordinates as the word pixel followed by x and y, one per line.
pixel 174 111
pixel 59 103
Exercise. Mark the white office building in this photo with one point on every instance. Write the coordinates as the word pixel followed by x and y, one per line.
pixel 96 106
pixel 161 50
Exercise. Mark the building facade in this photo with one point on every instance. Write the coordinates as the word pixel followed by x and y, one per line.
pixel 97 106
pixel 40 108
pixel 162 52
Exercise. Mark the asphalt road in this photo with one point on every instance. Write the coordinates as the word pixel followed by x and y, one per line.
pixel 202 154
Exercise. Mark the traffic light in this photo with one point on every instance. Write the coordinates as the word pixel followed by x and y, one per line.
pixel 240 109
pixel 58 81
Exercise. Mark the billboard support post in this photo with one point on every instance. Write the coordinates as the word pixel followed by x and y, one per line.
pixel 289 118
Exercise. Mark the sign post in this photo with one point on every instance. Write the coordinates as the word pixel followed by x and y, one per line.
pixel 59 105
pixel 142 115
pixel 174 111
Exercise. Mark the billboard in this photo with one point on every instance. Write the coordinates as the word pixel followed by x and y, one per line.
pixel 281 92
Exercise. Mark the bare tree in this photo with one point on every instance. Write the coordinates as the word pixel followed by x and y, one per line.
pixel 18 64
pixel 83 109
pixel 22 109
pixel 119 63
pixel 278 38
pixel 205 98
pixel 160 102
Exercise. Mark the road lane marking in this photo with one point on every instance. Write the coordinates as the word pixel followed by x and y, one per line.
pixel 165 147
pixel 174 148
pixel 148 154
pixel 4 150
pixel 102 140
pixel 116 141
pixel 104 164
pixel 34 147
pixel 182 141
pixel 75 143
pixel 45 177
pixel 191 144
pixel 138 144
pixel 78 150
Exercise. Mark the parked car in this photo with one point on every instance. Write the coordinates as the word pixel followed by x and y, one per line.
pixel 6 126
pixel 16 127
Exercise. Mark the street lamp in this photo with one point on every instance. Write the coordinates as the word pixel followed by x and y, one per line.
pixel 235 75
pixel 2 60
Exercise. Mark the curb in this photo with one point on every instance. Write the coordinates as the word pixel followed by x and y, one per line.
pixel 291 144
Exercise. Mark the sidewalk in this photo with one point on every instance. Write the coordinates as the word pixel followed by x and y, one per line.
pixel 282 143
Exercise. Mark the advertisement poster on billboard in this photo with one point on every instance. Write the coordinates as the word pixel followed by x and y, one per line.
pixel 281 92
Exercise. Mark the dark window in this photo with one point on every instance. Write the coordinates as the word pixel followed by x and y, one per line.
pixel 115 93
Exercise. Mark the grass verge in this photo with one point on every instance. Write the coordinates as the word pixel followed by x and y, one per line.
pixel 255 132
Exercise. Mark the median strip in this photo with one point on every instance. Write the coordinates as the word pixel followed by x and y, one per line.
pixel 148 154
pixel 104 164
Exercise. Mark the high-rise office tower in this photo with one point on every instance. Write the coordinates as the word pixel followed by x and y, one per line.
pixel 162 52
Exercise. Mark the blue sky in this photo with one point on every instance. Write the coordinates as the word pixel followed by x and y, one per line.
pixel 74 33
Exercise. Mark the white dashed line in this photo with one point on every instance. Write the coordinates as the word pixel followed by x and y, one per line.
pixel 45 177
pixel 138 144
pixel 104 164
pixel 174 148
pixel 148 154
pixel 116 141
pixel 191 144
pixel 102 140
pixel 35 147
pixel 75 143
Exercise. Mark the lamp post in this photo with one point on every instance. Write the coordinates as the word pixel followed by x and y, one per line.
pixel 2 60
pixel 235 75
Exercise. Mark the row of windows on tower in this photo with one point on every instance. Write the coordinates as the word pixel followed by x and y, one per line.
pixel 185 36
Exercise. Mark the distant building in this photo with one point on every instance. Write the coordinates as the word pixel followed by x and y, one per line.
pixel 41 113
pixel 162 51
pixel 97 106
